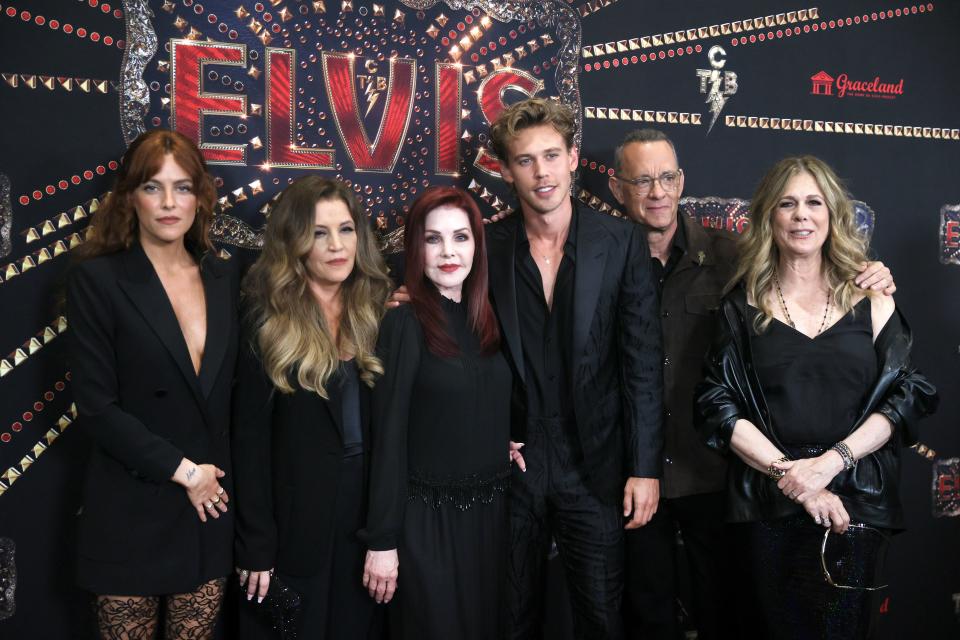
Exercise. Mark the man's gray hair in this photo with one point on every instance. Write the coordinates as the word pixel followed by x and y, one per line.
pixel 639 135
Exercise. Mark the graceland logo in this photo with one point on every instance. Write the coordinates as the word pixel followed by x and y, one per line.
pixel 823 84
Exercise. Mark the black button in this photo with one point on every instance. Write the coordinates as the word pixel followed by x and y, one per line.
pixel 551 377
pixel 160 393
pixel 667 414
pixel 668 460
pixel 666 314
pixel 666 361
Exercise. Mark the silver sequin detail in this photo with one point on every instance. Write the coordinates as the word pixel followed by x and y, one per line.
pixel 6 216
pixel 8 578
pixel 229 230
pixel 141 41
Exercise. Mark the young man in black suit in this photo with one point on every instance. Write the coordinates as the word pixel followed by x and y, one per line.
pixel 578 310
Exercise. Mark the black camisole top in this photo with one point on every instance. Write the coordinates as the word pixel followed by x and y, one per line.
pixel 815 388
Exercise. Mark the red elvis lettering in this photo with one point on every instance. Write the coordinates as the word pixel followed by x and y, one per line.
pixel 951 234
pixel 490 96
pixel 948 486
pixel 189 103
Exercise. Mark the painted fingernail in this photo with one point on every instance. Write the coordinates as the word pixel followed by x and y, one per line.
pixel 249 596
pixel 259 599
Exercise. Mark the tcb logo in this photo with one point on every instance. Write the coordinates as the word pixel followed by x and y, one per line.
pixel 717 84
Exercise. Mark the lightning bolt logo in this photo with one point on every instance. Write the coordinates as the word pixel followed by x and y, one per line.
pixel 372 95
pixel 718 85
pixel 715 98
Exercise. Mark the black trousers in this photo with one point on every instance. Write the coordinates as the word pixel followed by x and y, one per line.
pixel 651 602
pixel 551 501
pixel 795 600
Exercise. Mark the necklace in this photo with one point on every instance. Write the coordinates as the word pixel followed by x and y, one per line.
pixel 786 312
pixel 547 258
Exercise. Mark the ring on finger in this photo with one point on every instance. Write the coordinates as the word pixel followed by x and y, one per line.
pixel 208 505
pixel 220 491
pixel 215 499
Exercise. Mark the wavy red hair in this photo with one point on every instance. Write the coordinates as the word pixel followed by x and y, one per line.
pixel 115 227
pixel 424 295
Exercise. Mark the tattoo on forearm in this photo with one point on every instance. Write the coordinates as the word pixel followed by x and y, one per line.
pixel 190 473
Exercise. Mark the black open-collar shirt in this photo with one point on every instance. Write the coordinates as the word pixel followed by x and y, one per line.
pixel 678 248
pixel 547 334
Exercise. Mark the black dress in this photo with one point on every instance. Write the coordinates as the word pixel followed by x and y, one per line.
pixel 441 431
pixel 815 389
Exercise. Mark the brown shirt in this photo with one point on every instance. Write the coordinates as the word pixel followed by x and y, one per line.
pixel 690 297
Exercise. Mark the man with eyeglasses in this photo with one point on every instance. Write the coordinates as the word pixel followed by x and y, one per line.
pixel 692 265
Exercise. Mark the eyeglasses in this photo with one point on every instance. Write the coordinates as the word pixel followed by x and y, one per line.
pixel 669 182
pixel 823 560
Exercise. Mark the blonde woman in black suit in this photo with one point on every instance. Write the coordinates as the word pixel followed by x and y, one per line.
pixel 312 308
pixel 153 332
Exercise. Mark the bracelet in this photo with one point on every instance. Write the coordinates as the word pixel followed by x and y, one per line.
pixel 849 462
pixel 773 471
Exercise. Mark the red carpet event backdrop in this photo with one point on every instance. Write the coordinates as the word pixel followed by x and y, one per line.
pixel 394 96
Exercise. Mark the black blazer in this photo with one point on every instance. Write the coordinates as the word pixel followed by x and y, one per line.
pixel 144 407
pixel 287 452
pixel 617 375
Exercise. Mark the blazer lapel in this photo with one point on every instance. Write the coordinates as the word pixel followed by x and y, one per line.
pixel 591 259
pixel 501 245
pixel 365 414
pixel 216 288
pixel 335 403
pixel 143 287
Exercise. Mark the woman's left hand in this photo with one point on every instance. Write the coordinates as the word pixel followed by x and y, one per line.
pixel 380 572
pixel 827 510
pixel 516 456
pixel 806 477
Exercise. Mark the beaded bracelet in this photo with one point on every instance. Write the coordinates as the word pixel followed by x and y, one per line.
pixel 849 462
pixel 775 472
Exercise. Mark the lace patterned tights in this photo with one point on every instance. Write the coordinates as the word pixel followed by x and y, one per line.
pixel 188 616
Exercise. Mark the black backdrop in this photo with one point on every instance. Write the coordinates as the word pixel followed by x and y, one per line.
pixel 636 61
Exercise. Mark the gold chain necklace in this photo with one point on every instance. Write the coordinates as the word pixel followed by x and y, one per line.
pixel 786 312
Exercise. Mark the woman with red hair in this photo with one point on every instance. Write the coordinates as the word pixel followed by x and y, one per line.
pixel 153 343
pixel 441 427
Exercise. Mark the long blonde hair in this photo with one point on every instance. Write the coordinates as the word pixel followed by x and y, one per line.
pixel 843 252
pixel 292 334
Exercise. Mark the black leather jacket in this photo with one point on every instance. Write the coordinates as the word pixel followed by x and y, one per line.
pixel 731 391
